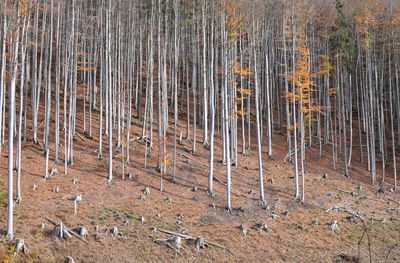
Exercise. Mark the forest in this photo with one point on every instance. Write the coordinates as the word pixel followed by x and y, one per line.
pixel 199 130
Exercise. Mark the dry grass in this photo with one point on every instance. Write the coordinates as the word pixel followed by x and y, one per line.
pixel 292 237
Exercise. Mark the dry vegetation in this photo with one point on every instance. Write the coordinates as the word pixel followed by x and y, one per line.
pixel 295 232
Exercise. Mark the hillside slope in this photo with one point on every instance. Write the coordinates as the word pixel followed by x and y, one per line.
pixel 295 232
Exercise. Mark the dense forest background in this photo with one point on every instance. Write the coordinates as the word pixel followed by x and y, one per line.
pixel 224 76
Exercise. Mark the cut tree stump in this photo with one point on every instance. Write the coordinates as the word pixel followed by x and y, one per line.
pixel 67 229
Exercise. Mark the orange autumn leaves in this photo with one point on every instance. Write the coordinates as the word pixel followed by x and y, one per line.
pixel 303 82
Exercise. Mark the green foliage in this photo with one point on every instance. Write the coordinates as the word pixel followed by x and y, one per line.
pixel 341 41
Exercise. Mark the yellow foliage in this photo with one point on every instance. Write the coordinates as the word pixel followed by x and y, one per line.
pixel 235 19
pixel 233 35
pixel 303 84
pixel 331 92
pixel 244 91
pixel 326 67
pixel 291 95
pixel 367 19
pixel 244 72
pixel 241 113
pixel 120 156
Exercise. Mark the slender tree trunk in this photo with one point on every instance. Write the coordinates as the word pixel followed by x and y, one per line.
pixel 11 123
pixel 260 166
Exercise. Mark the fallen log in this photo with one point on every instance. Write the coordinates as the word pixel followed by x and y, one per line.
pixel 391 199
pixel 188 237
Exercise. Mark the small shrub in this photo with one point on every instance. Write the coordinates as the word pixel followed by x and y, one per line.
pixel 3 198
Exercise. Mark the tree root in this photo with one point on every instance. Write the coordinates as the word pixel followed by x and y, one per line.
pixel 199 243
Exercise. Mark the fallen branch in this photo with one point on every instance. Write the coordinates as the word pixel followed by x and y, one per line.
pixel 80 136
pixel 207 242
pixel 174 233
pixel 391 199
pixel 365 229
pixel 143 140
pixel 69 230
pixel 365 232
pixel 352 193
pixel 217 245
pixel 334 208
pixel 41 124
pixel 224 184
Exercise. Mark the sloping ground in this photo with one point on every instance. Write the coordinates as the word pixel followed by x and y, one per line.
pixel 300 233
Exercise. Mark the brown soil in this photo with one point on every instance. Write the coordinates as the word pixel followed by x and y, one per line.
pixel 292 236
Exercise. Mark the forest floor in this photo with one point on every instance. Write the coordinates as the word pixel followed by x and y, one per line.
pixel 296 232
